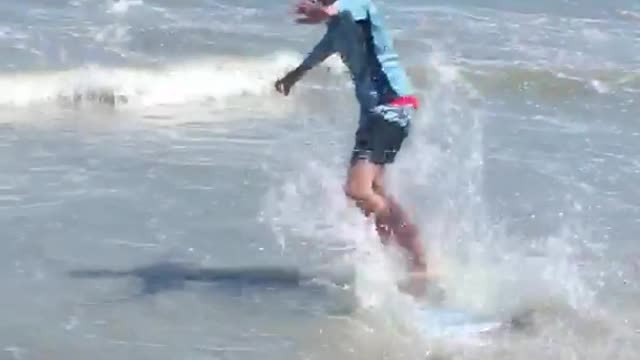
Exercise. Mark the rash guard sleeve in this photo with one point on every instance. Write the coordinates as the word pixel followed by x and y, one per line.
pixel 358 8
pixel 320 52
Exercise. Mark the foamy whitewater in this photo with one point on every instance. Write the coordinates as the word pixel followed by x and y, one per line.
pixel 159 200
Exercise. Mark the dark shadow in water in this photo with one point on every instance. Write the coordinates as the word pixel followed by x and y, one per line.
pixel 166 276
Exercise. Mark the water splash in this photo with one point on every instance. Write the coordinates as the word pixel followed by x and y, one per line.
pixel 440 176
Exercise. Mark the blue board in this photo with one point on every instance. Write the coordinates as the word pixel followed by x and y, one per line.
pixel 443 322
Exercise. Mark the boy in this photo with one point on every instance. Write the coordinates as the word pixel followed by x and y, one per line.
pixel 355 31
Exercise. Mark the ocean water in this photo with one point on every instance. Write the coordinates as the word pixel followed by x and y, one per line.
pixel 159 201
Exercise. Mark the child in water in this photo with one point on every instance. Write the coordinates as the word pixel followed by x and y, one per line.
pixel 356 32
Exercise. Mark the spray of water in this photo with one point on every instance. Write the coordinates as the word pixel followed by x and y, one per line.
pixel 439 176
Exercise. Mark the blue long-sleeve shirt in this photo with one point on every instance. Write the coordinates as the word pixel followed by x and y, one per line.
pixel 358 35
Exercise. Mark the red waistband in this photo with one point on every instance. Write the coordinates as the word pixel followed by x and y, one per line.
pixel 405 101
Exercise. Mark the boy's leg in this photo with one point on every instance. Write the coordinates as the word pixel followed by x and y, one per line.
pixel 359 187
pixel 383 229
pixel 388 214
pixel 398 226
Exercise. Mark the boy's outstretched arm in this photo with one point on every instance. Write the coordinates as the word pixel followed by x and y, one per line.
pixel 320 52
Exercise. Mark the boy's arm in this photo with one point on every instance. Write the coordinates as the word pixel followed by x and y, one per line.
pixel 315 12
pixel 322 50
pixel 318 54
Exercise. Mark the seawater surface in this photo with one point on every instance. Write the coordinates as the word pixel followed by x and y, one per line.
pixel 159 201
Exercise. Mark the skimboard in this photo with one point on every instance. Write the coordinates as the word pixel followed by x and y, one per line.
pixel 437 322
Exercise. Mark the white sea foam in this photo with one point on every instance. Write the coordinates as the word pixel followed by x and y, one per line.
pixel 211 79
pixel 122 6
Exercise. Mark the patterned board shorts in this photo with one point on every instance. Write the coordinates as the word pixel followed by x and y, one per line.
pixel 381 132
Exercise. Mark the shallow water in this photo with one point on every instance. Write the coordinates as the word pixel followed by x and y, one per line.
pixel 158 200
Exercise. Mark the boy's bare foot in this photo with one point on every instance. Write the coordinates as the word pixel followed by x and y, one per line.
pixel 419 280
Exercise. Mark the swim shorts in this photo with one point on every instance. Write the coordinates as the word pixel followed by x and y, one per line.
pixel 381 132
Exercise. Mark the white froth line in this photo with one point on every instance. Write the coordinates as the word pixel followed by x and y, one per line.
pixel 132 244
pixel 630 14
pixel 15 351
pixel 158 345
pixel 225 349
pixel 13 198
pixel 136 343
pixel 34 205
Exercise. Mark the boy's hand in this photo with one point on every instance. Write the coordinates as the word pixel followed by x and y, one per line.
pixel 285 84
pixel 313 11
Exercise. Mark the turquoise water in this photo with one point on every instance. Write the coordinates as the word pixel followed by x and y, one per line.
pixel 158 200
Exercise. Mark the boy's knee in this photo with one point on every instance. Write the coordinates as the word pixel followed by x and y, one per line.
pixel 366 199
pixel 357 193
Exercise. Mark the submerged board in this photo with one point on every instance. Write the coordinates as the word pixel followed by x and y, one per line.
pixel 443 322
